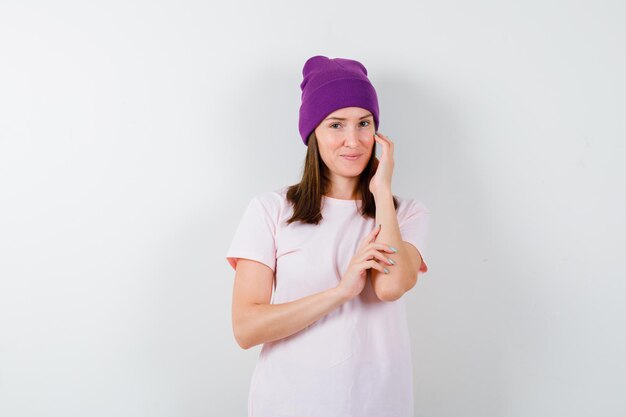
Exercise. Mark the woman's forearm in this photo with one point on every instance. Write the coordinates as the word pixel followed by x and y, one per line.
pixel 391 286
pixel 268 322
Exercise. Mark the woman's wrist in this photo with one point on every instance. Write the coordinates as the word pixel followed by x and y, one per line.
pixel 382 194
pixel 339 295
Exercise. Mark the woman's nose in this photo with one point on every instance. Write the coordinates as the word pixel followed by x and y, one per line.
pixel 353 136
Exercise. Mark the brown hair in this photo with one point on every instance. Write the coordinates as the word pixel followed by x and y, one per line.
pixel 306 196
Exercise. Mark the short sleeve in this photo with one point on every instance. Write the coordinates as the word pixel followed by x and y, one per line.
pixel 413 223
pixel 255 235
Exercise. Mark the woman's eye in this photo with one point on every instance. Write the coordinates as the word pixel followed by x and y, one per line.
pixel 367 123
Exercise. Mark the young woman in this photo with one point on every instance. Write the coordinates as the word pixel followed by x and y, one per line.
pixel 321 266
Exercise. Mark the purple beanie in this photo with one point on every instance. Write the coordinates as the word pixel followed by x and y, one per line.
pixel 332 84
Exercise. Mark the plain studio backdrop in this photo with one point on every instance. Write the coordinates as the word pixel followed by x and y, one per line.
pixel 133 134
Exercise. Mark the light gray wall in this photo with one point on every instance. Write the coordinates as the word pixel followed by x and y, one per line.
pixel 133 134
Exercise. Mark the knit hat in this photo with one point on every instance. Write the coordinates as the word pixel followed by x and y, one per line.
pixel 332 84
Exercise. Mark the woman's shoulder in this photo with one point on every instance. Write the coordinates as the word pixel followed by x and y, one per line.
pixel 272 200
pixel 273 196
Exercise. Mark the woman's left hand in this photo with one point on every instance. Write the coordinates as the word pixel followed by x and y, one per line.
pixel 383 168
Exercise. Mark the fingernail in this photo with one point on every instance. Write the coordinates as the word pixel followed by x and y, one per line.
pixel 386 270
pixel 393 249
pixel 378 225
pixel 391 261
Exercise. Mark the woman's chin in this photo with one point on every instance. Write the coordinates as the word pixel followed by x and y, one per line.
pixel 350 172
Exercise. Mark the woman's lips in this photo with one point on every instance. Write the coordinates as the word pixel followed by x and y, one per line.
pixel 351 158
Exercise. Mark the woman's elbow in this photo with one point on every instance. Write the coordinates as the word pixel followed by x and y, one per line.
pixel 242 339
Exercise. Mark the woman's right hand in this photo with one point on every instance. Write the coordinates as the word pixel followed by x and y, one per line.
pixel 366 257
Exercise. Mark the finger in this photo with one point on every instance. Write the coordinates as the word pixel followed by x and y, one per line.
pixel 369 237
pixel 386 140
pixel 375 233
pixel 371 234
pixel 376 265
pixel 384 146
pixel 374 254
pixel 381 246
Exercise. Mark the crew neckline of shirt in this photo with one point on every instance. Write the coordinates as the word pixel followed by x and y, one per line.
pixel 339 201
pixel 329 200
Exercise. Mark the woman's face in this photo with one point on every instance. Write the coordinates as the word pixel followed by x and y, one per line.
pixel 347 131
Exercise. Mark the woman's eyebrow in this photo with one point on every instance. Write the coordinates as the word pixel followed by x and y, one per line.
pixel 343 118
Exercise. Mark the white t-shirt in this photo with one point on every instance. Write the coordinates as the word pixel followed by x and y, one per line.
pixel 356 360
